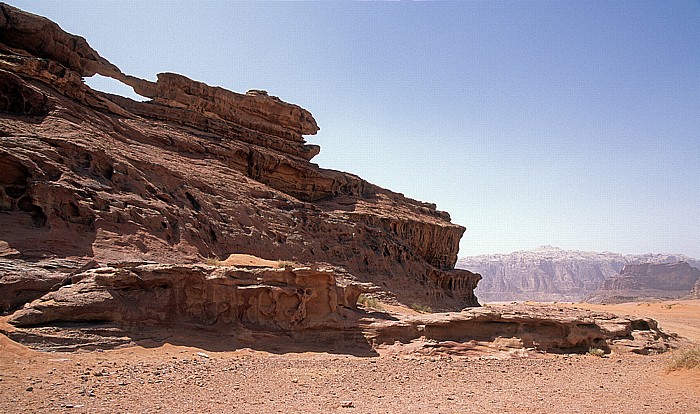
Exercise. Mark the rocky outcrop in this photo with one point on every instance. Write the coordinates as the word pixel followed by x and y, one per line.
pixel 43 38
pixel 648 281
pixel 148 294
pixel 520 327
pixel 299 307
pixel 551 274
pixel 109 207
pixel 196 172
pixel 23 281
pixel 16 97
pixel 254 111
pixel 695 293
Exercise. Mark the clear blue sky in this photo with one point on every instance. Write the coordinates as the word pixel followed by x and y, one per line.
pixel 575 124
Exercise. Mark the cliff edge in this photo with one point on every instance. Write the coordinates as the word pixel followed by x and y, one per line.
pixel 649 281
pixel 90 180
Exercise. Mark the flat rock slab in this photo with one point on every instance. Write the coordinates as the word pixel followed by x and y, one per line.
pixel 522 327
pixel 513 330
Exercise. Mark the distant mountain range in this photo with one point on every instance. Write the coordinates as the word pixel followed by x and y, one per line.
pixel 649 280
pixel 552 274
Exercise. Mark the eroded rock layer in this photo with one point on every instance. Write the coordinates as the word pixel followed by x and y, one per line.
pixel 300 309
pixel 196 172
pixel 519 327
pixel 648 281
pixel 150 294
pixel 549 273
pixel 695 293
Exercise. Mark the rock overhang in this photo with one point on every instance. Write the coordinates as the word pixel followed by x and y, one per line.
pixel 134 174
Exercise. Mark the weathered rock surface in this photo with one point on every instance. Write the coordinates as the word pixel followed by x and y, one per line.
pixel 695 293
pixel 196 172
pixel 22 282
pixel 551 274
pixel 518 327
pixel 43 38
pixel 107 206
pixel 648 281
pixel 281 124
pixel 153 294
pixel 300 309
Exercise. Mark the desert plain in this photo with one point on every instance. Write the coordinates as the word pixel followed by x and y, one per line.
pixel 116 219
pixel 170 377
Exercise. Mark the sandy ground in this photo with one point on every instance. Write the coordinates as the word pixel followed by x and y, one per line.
pixel 680 317
pixel 251 261
pixel 177 379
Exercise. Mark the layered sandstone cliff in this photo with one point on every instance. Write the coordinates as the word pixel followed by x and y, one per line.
pixel 695 293
pixel 199 295
pixel 552 274
pixel 649 281
pixel 88 179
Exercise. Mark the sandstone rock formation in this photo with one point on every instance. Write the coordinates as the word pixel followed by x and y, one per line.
pixel 551 274
pixel 695 293
pixel 89 179
pixel 109 209
pixel 154 294
pixel 648 281
pixel 227 304
pixel 517 327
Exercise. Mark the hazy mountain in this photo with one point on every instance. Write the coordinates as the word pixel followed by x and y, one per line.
pixel 648 280
pixel 552 274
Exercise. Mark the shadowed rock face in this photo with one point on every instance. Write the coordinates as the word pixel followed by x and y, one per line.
pixel 196 172
pixel 695 293
pixel 649 281
pixel 18 98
